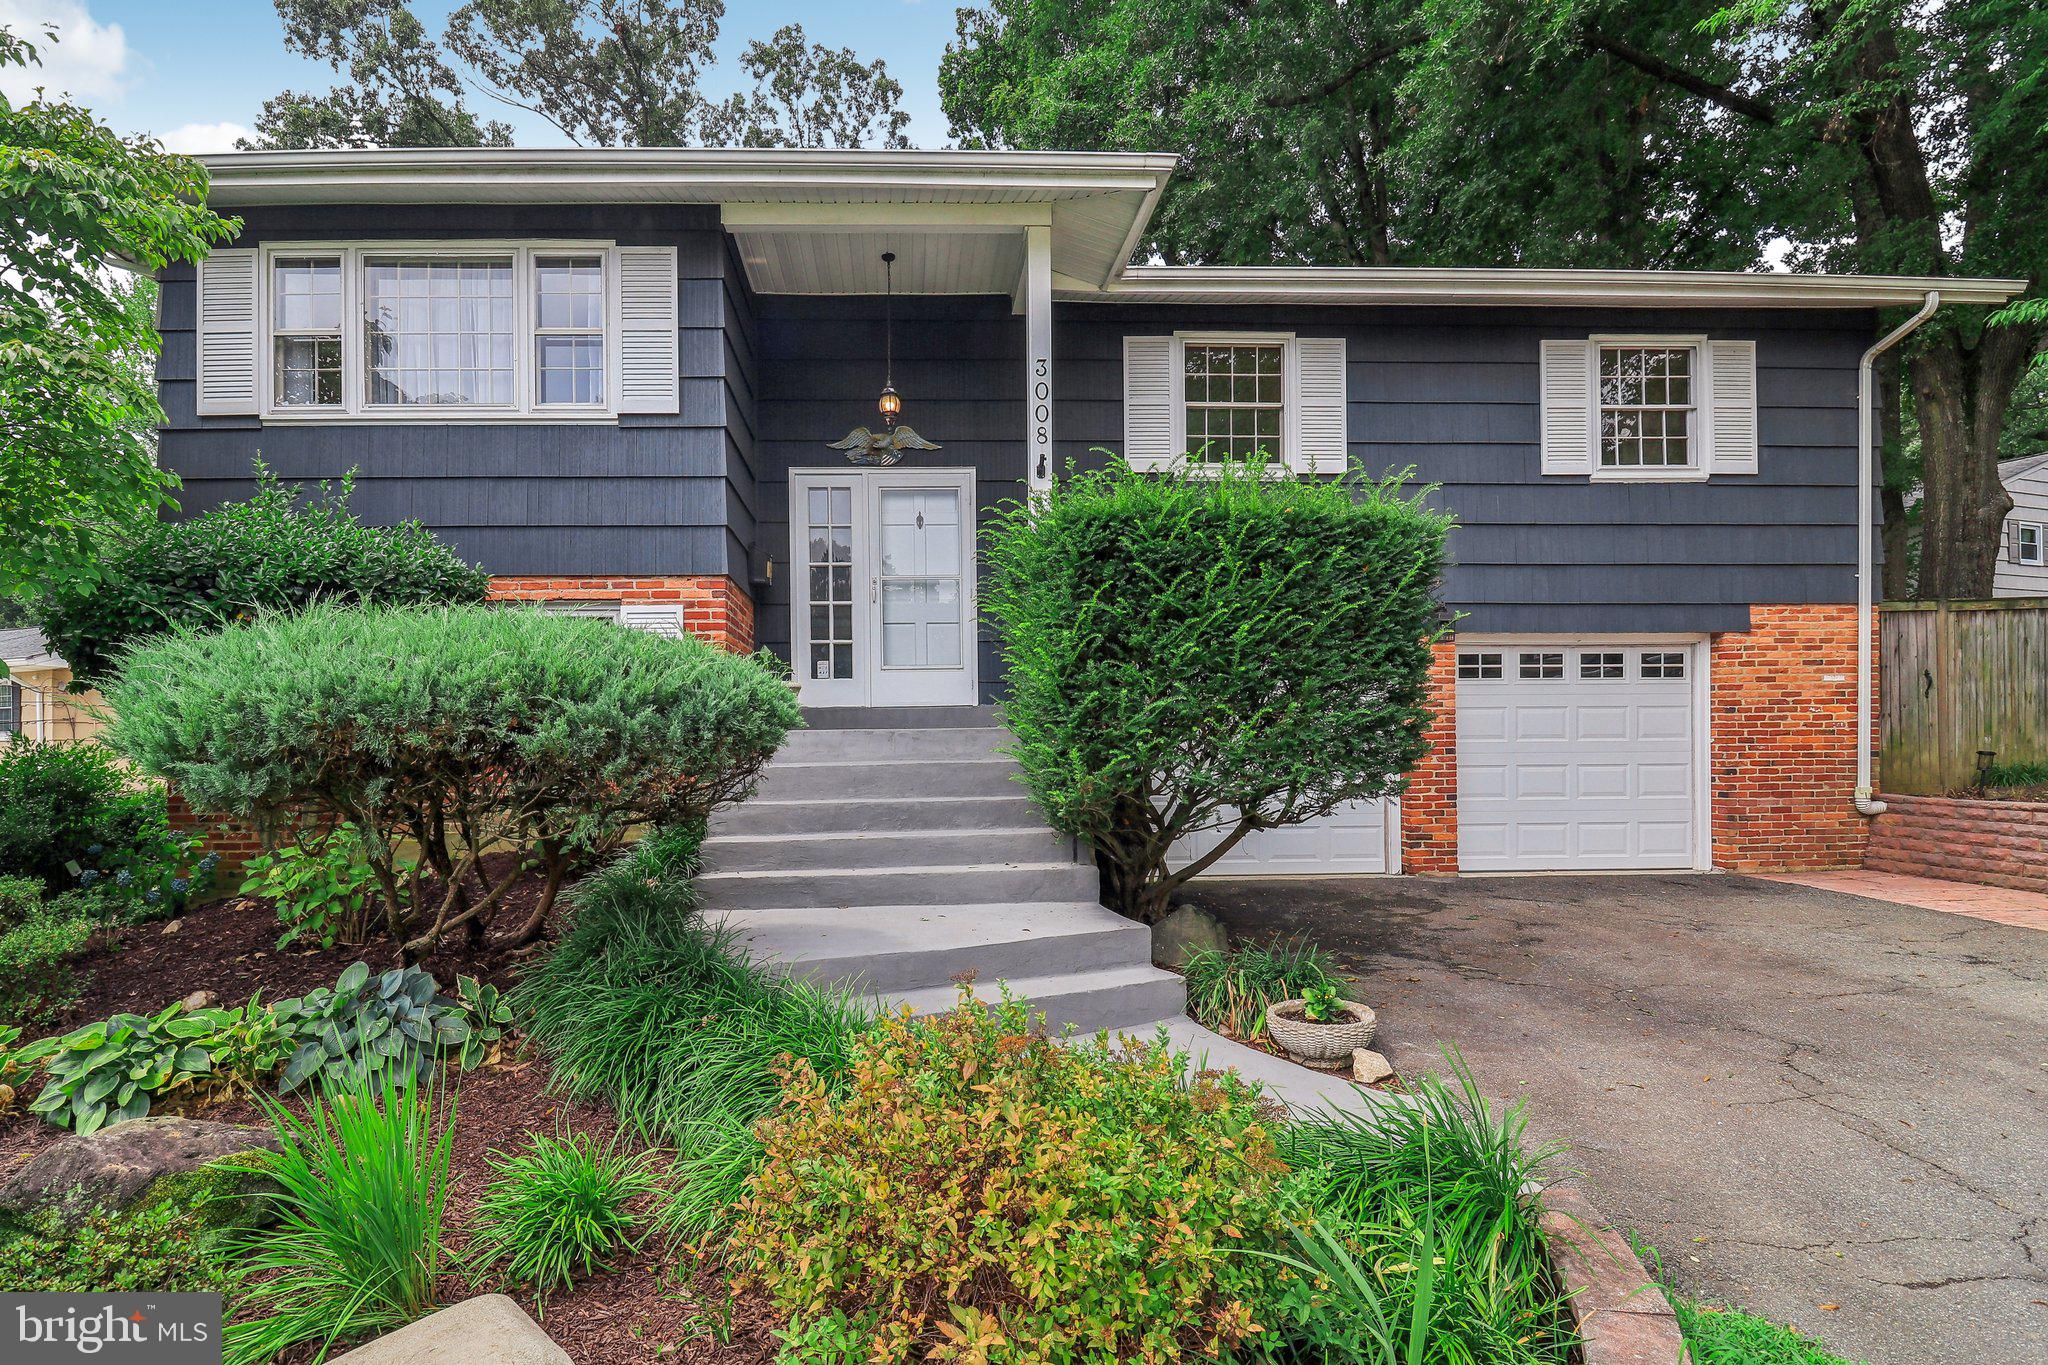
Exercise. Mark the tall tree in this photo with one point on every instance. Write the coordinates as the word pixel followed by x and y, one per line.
pixel 809 95
pixel 401 92
pixel 78 405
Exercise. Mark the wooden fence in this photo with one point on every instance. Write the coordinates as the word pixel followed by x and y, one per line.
pixel 1957 678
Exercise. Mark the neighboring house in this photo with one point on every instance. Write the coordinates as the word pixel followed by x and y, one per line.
pixel 33 699
pixel 612 377
pixel 2023 565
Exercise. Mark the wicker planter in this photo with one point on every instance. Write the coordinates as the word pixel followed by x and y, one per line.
pixel 1320 1044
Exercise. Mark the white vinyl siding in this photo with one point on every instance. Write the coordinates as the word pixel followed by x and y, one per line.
pixel 2022 567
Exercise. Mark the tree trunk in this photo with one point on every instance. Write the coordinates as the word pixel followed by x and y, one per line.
pixel 1961 394
pixel 1896 581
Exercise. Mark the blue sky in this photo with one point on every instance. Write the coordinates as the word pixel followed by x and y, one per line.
pixel 196 72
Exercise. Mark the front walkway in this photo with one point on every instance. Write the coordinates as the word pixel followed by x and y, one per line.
pixel 1828 1110
pixel 1998 904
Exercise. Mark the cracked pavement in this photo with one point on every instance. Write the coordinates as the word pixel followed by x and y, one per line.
pixel 1799 1097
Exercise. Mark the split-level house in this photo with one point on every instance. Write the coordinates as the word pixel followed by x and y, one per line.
pixel 620 380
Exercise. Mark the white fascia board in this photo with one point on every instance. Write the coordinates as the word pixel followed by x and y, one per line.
pixel 772 216
pixel 1553 288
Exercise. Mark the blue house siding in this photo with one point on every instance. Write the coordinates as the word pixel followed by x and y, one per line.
pixel 1452 393
pixel 960 369
pixel 649 495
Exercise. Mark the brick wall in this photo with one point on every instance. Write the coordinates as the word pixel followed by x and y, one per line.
pixel 714 608
pixel 1784 747
pixel 1429 806
pixel 236 843
pixel 1991 843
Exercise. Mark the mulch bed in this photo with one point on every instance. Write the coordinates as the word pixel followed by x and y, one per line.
pixel 660 1303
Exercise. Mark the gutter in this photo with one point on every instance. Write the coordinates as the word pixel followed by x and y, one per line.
pixel 1866 469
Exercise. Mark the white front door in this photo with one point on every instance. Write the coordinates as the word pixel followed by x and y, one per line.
pixel 883 600
pixel 1582 753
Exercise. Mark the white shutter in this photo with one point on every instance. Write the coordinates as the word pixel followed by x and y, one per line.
pixel 1153 417
pixel 1567 384
pixel 1731 427
pixel 1320 426
pixel 227 333
pixel 660 618
pixel 648 356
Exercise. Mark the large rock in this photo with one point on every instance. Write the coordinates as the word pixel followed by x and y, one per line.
pixel 1187 930
pixel 140 1162
pixel 489 1329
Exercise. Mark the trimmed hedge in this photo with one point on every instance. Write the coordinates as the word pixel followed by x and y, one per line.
pixel 461 729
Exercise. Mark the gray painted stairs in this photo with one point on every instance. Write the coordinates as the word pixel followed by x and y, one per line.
pixel 895 851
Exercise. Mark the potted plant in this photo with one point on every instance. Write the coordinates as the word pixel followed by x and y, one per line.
pixel 1321 1028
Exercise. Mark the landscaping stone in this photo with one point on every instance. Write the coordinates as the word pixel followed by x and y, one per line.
pixel 489 1329
pixel 199 1000
pixel 1623 1318
pixel 1368 1067
pixel 141 1162
pixel 1187 930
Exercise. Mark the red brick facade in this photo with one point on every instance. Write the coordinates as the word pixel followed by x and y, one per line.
pixel 1991 843
pixel 1429 807
pixel 236 843
pixel 714 608
pixel 1784 742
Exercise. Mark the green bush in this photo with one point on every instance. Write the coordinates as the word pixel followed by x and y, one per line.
pixel 321 886
pixel 1229 991
pixel 2021 776
pixel 458 730
pixel 982 1191
pixel 37 979
pixel 164 1248
pixel 73 818
pixel 115 1069
pixel 1213 650
pixel 21 900
pixel 397 1022
pixel 267 554
pixel 561 1209
pixel 362 1186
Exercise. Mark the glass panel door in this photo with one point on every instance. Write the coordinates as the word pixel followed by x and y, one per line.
pixel 920 577
pixel 828 651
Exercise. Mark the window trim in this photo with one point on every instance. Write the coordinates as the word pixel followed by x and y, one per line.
pixel 2019 546
pixel 1290 461
pixel 1700 437
pixel 356 407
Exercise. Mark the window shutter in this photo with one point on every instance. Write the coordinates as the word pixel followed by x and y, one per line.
pixel 2012 541
pixel 661 618
pixel 1153 417
pixel 649 379
pixel 1320 444
pixel 1567 383
pixel 227 333
pixel 1731 427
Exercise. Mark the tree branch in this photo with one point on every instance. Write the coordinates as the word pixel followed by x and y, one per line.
pixel 1763 111
pixel 1337 82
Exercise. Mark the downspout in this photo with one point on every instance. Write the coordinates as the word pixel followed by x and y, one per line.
pixel 1866 557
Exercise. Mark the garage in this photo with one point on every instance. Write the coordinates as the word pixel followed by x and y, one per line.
pixel 1579 755
pixel 1357 838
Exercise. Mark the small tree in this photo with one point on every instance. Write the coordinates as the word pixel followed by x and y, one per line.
pixel 1214 649
pixel 270 553
pixel 462 731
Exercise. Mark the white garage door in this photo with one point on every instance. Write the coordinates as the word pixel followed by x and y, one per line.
pixel 1576 756
pixel 1361 837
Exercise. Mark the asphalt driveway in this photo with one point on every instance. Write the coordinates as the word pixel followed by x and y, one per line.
pixel 1801 1098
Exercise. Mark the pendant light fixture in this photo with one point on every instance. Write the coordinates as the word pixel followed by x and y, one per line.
pixel 884 447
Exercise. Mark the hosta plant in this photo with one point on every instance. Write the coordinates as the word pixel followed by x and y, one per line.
pixel 396 1022
pixel 248 1044
pixel 115 1069
pixel 17 1060
pixel 488 1018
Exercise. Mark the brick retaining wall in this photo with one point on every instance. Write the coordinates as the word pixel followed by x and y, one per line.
pixel 1991 843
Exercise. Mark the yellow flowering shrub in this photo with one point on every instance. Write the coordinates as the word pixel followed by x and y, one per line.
pixel 983 1194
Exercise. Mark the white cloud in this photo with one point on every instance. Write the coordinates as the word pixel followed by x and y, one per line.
pixel 86 62
pixel 193 139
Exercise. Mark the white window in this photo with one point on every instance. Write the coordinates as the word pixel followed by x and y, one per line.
pixel 439 331
pixel 1606 664
pixel 1538 666
pixel 1482 667
pixel 1234 393
pixel 1668 663
pixel 2026 542
pixel 305 323
pixel 1647 417
pixel 569 330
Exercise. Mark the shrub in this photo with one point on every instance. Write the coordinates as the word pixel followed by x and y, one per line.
pixel 362 1188
pixel 982 1191
pixel 1229 991
pixel 459 730
pixel 397 1022
pixel 37 980
pixel 267 554
pixel 21 900
pixel 164 1248
pixel 114 1070
pixel 560 1209
pixel 320 885
pixel 72 818
pixel 1211 650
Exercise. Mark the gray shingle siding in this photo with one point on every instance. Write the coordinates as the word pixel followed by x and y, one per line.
pixel 1452 393
pixel 649 495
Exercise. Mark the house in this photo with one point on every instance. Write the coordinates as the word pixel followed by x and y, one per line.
pixel 2023 566
pixel 33 698
pixel 616 379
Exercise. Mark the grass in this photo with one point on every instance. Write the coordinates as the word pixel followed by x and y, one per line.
pixel 562 1208
pixel 1229 991
pixel 1723 1336
pixel 362 1185
pixel 2029 778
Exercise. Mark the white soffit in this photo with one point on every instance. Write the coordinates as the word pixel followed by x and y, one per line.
pixel 851 262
